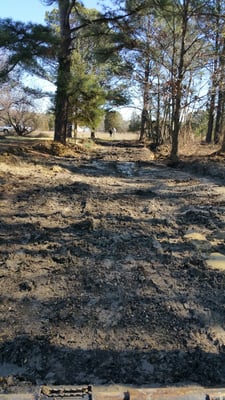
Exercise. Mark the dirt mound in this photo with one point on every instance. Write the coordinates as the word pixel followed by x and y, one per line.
pixel 57 149
pixel 42 147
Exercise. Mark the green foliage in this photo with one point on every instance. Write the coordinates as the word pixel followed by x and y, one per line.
pixel 86 96
pixel 135 122
pixel 90 84
pixel 26 45
pixel 113 119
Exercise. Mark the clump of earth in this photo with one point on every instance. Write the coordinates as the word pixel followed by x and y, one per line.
pixel 112 266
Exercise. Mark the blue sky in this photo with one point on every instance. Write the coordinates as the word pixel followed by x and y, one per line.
pixel 31 10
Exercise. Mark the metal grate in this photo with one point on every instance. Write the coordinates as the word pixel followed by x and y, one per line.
pixel 65 392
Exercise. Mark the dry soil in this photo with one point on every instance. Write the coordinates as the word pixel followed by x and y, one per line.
pixel 112 266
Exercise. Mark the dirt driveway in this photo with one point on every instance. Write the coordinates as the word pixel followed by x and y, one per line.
pixel 111 268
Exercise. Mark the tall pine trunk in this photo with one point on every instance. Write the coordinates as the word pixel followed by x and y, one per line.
pixel 63 78
pixel 176 125
pixel 177 86
pixel 211 113
pixel 216 96
pixel 221 96
pixel 145 109
pixel 219 115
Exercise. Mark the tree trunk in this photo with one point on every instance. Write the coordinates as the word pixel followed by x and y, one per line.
pixel 223 143
pixel 218 123
pixel 145 110
pixel 222 126
pixel 221 96
pixel 62 105
pixel 62 95
pixel 144 119
pixel 211 118
pixel 176 126
pixel 156 133
pixel 177 86
pixel 214 89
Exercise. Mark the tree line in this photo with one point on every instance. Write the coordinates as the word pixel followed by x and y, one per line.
pixel 163 57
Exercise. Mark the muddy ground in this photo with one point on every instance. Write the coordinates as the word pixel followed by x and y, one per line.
pixel 112 266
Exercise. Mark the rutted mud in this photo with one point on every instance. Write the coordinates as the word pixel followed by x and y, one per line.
pixel 105 273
